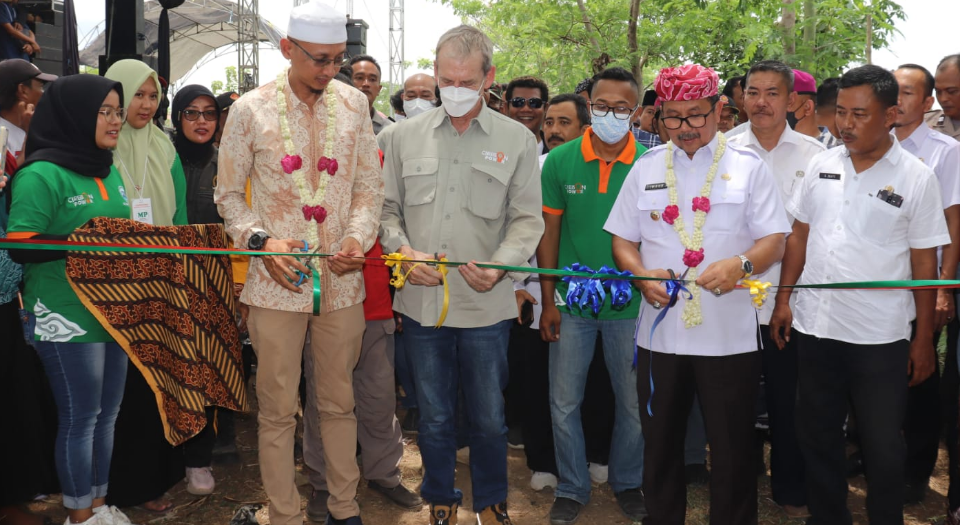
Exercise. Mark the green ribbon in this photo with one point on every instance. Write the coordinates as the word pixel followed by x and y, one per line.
pixel 316 289
pixel 8 244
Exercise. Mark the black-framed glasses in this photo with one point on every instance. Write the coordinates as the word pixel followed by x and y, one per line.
pixel 533 102
pixel 109 113
pixel 323 62
pixel 600 109
pixel 694 121
pixel 209 114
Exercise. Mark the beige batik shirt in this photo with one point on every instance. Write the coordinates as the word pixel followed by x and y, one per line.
pixel 251 149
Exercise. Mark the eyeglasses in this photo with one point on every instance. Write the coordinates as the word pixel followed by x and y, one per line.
pixel 694 121
pixel 191 114
pixel 108 113
pixel 323 62
pixel 533 102
pixel 620 112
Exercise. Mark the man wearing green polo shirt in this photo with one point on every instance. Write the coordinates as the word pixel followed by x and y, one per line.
pixel 581 180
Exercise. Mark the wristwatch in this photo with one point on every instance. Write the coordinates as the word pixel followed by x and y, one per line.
pixel 746 266
pixel 258 240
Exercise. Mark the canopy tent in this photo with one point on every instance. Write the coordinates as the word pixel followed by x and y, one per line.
pixel 197 27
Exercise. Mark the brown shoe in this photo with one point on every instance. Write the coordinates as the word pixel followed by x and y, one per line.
pixel 494 514
pixel 443 514
pixel 795 512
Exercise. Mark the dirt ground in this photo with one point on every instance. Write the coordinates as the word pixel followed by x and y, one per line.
pixel 238 485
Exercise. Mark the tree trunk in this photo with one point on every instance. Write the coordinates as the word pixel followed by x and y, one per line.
pixel 788 24
pixel 808 57
pixel 635 62
pixel 588 25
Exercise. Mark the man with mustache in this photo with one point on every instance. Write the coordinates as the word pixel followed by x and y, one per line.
pixel 868 211
pixel 707 342
pixel 277 137
pixel 947 86
pixel 942 154
pixel 769 95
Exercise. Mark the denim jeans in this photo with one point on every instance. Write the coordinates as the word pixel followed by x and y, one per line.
pixel 87 380
pixel 473 360
pixel 569 361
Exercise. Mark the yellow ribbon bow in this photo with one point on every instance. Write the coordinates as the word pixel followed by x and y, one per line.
pixel 758 291
pixel 395 262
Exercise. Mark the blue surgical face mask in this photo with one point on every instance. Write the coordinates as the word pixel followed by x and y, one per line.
pixel 609 128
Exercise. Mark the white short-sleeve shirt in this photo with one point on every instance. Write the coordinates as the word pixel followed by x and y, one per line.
pixel 857 236
pixel 942 154
pixel 745 206
pixel 787 162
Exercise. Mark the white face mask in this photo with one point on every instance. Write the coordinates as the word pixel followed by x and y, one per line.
pixel 458 101
pixel 414 107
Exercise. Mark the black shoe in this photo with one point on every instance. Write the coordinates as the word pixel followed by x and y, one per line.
pixel 515 438
pixel 632 504
pixel 564 511
pixel 696 474
pixel 914 494
pixel 352 520
pixel 317 506
pixel 854 465
pixel 411 421
pixel 400 495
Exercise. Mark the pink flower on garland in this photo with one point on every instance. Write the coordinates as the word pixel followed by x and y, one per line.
pixel 291 163
pixel 701 203
pixel 317 213
pixel 670 213
pixel 693 258
pixel 327 164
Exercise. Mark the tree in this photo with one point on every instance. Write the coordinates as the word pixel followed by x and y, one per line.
pixel 219 86
pixel 564 41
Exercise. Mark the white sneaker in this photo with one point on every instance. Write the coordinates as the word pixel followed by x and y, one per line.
pixel 598 473
pixel 93 520
pixel 200 481
pixel 542 480
pixel 110 515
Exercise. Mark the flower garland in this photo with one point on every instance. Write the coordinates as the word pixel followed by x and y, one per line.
pixel 292 164
pixel 693 246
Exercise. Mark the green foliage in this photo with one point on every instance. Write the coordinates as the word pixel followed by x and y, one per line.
pixel 219 86
pixel 551 39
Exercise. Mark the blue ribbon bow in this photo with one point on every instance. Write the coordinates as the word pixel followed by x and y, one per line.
pixel 674 288
pixel 590 292
pixel 621 290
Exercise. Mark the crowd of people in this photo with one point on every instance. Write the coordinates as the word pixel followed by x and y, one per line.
pixel 693 185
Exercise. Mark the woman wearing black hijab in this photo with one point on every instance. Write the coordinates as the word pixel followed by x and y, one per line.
pixel 68 179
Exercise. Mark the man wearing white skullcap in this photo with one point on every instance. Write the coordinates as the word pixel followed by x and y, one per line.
pixel 305 146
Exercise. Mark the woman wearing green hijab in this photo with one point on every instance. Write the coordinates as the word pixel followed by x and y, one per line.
pixel 145 465
pixel 145 157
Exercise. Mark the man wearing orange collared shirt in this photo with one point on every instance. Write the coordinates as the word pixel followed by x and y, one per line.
pixel 581 180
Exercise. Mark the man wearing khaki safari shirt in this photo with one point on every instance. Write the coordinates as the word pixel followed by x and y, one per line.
pixel 461 181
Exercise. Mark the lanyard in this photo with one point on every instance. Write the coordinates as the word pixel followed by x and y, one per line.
pixel 130 176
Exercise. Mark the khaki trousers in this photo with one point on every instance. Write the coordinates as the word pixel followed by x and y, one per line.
pixel 278 341
pixel 379 434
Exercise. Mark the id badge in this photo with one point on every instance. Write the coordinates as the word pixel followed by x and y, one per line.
pixel 143 211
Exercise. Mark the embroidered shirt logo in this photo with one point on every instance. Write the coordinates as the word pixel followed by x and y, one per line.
pixel 80 200
pixel 575 189
pixel 495 156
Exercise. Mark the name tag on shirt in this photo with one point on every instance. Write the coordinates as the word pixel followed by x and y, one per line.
pixel 143 211
pixel 657 186
pixel 890 198
pixel 830 176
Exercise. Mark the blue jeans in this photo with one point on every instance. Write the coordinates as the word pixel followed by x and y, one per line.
pixel 87 380
pixel 474 361
pixel 569 361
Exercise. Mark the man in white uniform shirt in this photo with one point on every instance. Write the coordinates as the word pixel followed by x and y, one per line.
pixel 866 212
pixel 942 154
pixel 768 96
pixel 707 344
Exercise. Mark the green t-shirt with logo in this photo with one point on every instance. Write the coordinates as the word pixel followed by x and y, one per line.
pixel 582 188
pixel 50 199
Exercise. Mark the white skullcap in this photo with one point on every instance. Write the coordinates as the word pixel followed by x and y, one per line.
pixel 317 23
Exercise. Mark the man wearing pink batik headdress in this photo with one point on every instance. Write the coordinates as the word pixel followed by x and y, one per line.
pixel 710 210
